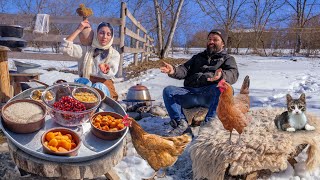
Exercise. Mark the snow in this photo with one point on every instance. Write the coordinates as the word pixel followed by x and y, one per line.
pixel 271 79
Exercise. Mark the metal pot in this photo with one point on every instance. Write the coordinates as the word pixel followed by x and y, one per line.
pixel 11 31
pixel 138 93
pixel 13 42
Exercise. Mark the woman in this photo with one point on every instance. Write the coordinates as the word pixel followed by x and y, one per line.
pixel 100 61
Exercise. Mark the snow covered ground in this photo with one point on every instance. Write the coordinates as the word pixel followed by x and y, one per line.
pixel 271 79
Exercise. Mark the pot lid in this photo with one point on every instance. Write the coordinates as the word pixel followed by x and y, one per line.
pixel 7 25
pixel 138 87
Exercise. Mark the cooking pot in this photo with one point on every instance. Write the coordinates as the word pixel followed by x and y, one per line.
pixel 138 93
pixel 11 31
pixel 13 42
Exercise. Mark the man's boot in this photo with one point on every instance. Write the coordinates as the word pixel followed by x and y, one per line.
pixel 180 129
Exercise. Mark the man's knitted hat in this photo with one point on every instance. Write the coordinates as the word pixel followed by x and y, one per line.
pixel 219 32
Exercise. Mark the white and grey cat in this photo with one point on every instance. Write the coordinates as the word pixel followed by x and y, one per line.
pixel 294 118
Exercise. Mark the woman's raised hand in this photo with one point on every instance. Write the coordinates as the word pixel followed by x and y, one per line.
pixel 83 25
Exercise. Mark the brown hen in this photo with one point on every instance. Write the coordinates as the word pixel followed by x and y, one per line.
pixel 84 11
pixel 159 152
pixel 231 109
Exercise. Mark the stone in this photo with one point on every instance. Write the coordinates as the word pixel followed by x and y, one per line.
pixel 158 111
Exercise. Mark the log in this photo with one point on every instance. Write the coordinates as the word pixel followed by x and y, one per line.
pixel 102 165
pixel 5 93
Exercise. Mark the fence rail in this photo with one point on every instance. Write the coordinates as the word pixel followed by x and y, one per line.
pixel 55 38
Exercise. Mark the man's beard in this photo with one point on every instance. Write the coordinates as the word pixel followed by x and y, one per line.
pixel 214 49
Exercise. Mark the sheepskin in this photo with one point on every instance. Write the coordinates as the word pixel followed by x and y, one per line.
pixel 262 146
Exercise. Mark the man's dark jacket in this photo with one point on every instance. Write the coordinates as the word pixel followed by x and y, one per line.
pixel 202 66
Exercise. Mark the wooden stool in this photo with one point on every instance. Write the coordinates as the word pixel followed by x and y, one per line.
pixel 102 165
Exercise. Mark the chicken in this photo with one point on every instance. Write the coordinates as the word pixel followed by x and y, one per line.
pixel 84 11
pixel 159 152
pixel 232 110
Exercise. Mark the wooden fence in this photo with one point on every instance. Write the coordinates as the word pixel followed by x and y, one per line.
pixel 121 42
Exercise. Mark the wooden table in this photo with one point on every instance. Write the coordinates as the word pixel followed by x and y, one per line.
pixel 17 78
pixel 102 165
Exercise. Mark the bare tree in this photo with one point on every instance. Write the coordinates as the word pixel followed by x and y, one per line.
pixel 30 6
pixel 260 16
pixel 223 12
pixel 3 5
pixel 164 44
pixel 304 11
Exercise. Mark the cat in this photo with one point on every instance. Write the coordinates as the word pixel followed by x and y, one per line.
pixel 294 118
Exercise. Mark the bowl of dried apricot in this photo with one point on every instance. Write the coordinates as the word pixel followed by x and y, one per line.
pixel 107 125
pixel 61 141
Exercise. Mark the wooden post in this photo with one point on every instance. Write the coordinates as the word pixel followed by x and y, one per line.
pixel 137 46
pixel 144 55
pixel 122 36
pixel 5 94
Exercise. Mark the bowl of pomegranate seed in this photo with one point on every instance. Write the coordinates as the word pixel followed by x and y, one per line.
pixel 67 110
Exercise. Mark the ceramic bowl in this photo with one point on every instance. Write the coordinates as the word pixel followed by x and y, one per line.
pixel 52 143
pixel 17 116
pixel 104 134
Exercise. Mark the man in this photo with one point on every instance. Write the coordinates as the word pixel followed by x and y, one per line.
pixel 201 75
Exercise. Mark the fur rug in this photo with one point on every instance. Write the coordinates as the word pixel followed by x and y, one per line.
pixel 263 146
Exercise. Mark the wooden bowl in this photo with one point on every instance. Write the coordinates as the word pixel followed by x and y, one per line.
pixel 76 138
pixel 20 121
pixel 107 135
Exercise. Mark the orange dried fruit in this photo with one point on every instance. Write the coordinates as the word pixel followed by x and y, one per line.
pixel 120 126
pixel 64 144
pixel 64 137
pixel 70 136
pixel 105 128
pixel 112 125
pixel 53 148
pixel 61 149
pixel 113 129
pixel 49 136
pixel 53 142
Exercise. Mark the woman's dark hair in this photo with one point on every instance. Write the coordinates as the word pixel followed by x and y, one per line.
pixel 105 24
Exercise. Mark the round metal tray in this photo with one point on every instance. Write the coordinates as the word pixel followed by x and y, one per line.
pixel 91 147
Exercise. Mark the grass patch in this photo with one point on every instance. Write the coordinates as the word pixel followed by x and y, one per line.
pixel 133 71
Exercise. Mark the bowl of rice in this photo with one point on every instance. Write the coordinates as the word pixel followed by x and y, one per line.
pixel 24 115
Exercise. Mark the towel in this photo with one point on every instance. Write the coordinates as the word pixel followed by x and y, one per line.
pixel 42 24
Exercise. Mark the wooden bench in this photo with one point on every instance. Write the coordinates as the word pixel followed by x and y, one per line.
pixel 17 78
